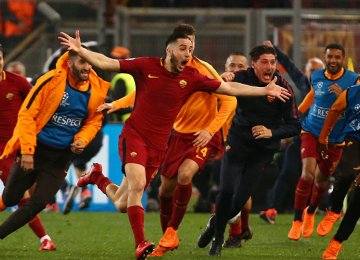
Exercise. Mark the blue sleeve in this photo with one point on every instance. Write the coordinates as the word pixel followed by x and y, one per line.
pixel 297 76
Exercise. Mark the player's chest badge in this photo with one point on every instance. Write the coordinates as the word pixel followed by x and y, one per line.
pixel 182 83
pixel 9 96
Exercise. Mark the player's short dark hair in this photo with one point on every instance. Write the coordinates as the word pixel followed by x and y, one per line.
pixel 259 50
pixel 1 49
pixel 188 29
pixel 175 36
pixel 335 46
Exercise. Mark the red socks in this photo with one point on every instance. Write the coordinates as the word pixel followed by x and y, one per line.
pixel 235 229
pixel 302 193
pixel 102 182
pixel 316 195
pixel 182 197
pixel 136 219
pixel 166 205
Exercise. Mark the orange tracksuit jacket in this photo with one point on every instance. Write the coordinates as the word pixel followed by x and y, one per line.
pixel 42 102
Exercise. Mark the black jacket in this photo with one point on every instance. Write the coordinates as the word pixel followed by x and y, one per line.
pixel 282 118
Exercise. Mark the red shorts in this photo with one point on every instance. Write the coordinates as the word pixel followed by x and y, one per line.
pixel 309 149
pixel 181 148
pixel 5 165
pixel 132 149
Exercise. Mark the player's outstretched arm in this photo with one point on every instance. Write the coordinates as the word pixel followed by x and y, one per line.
pixel 239 89
pixel 96 59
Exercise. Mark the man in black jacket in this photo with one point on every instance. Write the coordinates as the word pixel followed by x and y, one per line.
pixel 257 127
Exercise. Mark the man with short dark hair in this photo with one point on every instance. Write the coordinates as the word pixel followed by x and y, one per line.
pixel 257 127
pixel 326 85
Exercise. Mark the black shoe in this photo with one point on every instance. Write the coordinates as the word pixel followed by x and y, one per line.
pixel 209 232
pixel 215 248
pixel 233 241
pixel 85 199
pixel 69 201
pixel 246 234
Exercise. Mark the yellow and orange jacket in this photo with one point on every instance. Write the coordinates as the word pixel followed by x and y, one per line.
pixel 43 101
pixel 201 110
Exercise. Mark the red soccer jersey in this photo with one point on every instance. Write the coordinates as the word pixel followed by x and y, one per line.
pixel 160 95
pixel 13 90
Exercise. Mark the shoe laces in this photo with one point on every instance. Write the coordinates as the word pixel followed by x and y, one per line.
pixel 331 216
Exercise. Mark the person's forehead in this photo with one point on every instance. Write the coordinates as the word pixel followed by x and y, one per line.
pixel 267 56
pixel 334 51
pixel 184 41
pixel 238 58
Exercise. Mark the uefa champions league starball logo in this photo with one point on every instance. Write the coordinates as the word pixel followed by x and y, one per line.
pixel 320 84
pixel 357 108
pixel 64 99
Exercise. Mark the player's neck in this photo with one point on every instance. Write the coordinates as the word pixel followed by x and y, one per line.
pixel 167 64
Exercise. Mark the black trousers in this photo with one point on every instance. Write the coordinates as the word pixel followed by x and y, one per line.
pixel 350 219
pixel 240 171
pixel 345 175
pixel 50 168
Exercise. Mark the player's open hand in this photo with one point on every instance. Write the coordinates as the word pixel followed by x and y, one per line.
pixel 322 150
pixel 202 138
pixel 277 91
pixel 335 89
pixel 228 76
pixel 106 106
pixel 261 132
pixel 70 42
pixel 77 146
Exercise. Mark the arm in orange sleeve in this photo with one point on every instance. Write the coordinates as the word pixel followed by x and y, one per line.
pixel 227 108
pixel 307 102
pixel 336 109
pixel 124 102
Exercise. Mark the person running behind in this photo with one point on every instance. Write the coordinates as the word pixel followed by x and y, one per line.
pixel 326 85
pixel 239 230
pixel 196 139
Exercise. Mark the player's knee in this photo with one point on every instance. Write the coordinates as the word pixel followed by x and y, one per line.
pixel 185 176
pixel 308 175
pixel 137 187
pixel 8 200
pixel 184 180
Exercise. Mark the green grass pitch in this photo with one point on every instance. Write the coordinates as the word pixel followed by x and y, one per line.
pixel 108 236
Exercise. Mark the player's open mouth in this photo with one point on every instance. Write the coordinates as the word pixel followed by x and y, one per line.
pixel 184 62
pixel 267 76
